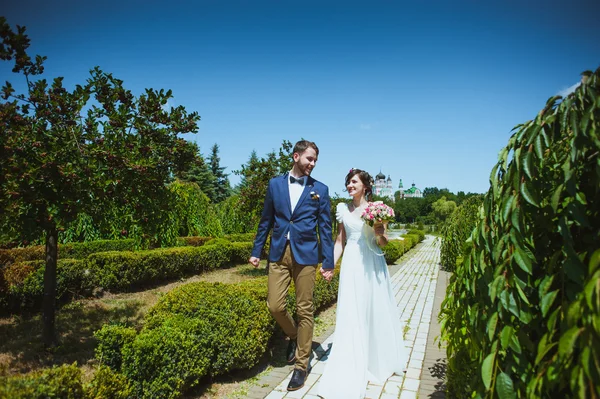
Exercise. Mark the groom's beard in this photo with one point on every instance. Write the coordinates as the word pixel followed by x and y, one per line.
pixel 304 170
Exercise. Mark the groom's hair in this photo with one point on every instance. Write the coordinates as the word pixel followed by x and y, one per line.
pixel 302 145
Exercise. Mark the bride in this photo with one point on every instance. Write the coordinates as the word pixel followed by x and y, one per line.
pixel 368 344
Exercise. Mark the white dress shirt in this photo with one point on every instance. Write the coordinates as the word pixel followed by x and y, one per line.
pixel 296 190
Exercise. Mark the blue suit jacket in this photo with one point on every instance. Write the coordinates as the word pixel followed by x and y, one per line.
pixel 313 210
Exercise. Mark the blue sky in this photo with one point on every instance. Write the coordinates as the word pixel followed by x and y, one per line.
pixel 425 91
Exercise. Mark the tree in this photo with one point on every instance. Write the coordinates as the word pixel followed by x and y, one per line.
pixel 408 209
pixel 256 174
pixel 200 173
pixel 431 191
pixel 83 151
pixel 222 187
pixel 443 208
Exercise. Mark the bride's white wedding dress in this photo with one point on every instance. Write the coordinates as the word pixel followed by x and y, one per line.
pixel 368 344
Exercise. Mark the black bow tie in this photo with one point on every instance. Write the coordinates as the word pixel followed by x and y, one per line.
pixel 299 180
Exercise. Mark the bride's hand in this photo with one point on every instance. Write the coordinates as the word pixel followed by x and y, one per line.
pixel 379 229
pixel 380 236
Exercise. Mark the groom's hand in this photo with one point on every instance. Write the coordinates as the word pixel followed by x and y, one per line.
pixel 327 274
pixel 254 261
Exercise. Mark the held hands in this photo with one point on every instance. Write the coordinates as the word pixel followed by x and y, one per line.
pixel 327 274
pixel 254 261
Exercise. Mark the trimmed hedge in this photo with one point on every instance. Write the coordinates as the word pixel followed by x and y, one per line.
pixel 393 251
pixel 74 250
pixel 62 382
pixel 111 339
pixel 22 284
pixel 123 271
pixel 81 250
pixel 164 361
pixel 418 233
pixel 108 384
pixel 240 322
pixel 396 248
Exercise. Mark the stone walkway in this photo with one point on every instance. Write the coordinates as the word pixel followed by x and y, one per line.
pixel 414 282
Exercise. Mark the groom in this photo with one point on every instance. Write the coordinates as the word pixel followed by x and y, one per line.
pixel 296 207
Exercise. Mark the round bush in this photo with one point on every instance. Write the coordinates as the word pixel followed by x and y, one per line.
pixel 240 323
pixel 164 361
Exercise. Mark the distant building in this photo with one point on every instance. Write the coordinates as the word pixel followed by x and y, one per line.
pixel 412 192
pixel 383 186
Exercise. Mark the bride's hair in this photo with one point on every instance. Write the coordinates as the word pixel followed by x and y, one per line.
pixel 365 178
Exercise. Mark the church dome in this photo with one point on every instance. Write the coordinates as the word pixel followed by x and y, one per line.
pixel 380 176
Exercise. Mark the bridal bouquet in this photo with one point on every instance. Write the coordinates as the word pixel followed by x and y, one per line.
pixel 377 212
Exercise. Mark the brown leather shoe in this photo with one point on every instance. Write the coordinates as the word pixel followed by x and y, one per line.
pixel 297 380
pixel 290 354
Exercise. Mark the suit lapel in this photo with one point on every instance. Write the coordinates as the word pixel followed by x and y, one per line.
pixel 285 189
pixel 310 183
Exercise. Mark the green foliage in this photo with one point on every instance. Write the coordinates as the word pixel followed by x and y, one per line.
pixel 74 250
pixel 112 338
pixel 256 174
pixel 222 187
pixel 457 230
pixel 241 252
pixel 108 384
pixel 393 251
pixel 123 271
pixel 200 329
pixel 62 382
pixel 167 359
pixel 243 237
pixel 240 325
pixel 191 211
pixel 232 218
pixel 22 283
pixel 96 150
pixel 198 172
pixel 521 313
pixel 443 208
pixel 419 233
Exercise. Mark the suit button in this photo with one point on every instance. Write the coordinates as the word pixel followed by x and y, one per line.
pixel 291 222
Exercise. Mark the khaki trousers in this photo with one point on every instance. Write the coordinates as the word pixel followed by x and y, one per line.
pixel 280 275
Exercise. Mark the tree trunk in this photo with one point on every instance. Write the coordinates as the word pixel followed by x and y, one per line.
pixel 49 302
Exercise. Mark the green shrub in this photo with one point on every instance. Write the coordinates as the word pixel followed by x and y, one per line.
pixel 419 233
pixel 240 252
pixel 24 283
pixel 166 360
pixel 60 382
pixel 74 250
pixel 21 284
pixel 393 251
pixel 522 312
pixel 122 271
pixel 240 324
pixel 193 241
pixel 456 231
pixel 112 338
pixel 241 237
pixel 108 384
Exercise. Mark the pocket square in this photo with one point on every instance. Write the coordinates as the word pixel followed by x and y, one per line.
pixel 314 195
